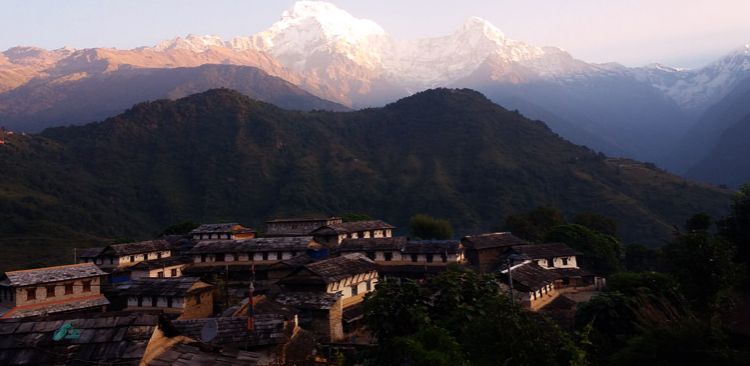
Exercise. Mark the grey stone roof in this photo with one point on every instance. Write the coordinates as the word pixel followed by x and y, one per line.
pixel 297 243
pixel 268 329
pixel 492 240
pixel 308 300
pixel 541 251
pixel 107 338
pixel 338 268
pixel 161 263
pixel 52 274
pixel 372 244
pixel 531 277
pixel 192 355
pixel 138 248
pixel 431 247
pixel 231 227
pixel 170 286
pixel 352 227
pixel 44 309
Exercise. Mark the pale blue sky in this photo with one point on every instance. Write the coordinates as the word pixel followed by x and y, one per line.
pixel 687 33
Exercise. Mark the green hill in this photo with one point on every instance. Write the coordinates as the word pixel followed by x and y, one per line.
pixel 219 156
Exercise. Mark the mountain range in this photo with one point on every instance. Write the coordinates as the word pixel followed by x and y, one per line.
pixel 648 113
pixel 220 156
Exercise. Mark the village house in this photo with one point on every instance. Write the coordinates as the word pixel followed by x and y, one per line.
pixel 561 259
pixel 484 252
pixel 298 227
pixel 183 297
pixel 533 286
pixel 226 231
pixel 319 312
pixel 50 290
pixel 257 250
pixel 160 268
pixel 332 235
pixel 87 255
pixel 128 254
pixel 107 339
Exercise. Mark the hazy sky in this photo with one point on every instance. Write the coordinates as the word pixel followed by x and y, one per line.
pixel 683 33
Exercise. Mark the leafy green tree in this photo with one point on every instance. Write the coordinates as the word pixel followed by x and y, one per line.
pixel 700 222
pixel 703 265
pixel 597 222
pixel 631 283
pixel 535 224
pixel 461 317
pixel 601 252
pixel 427 227
pixel 640 258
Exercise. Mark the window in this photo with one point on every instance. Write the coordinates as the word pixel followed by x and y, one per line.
pixel 371 255
pixel 69 288
pixel 413 257
pixel 388 257
pixel 132 258
pixel 565 261
pixel 444 257
pixel 550 262
pixel 86 286
pixel 265 256
pixel 173 272
pixel 31 293
pixel 51 291
pixel 111 260
pixel 158 255
pixel 203 257
pixel 169 301
pixel 429 258
pixel 220 257
pixel 369 286
pixel 355 290
pixel 278 255
pixel 140 301
pixel 197 299
pixel 154 301
pixel 160 274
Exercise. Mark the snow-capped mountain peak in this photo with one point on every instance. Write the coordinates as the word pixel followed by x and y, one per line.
pixel 192 42
pixel 483 27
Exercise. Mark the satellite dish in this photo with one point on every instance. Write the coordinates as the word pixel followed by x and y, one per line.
pixel 209 331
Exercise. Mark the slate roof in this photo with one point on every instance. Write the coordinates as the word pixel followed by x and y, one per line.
pixel 432 247
pixel 308 300
pixel 352 227
pixel 372 244
pixel 268 329
pixel 231 227
pixel 541 251
pixel 531 277
pixel 52 274
pixel 571 272
pixel 161 263
pixel 138 247
pixel 302 219
pixel 338 268
pixel 108 338
pixel 492 240
pixel 56 307
pixel 89 252
pixel 183 354
pixel 297 243
pixel 304 227
pixel 169 286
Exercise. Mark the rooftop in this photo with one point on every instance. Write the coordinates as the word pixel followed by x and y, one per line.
pixel 182 354
pixel 351 227
pixel 338 268
pixel 53 307
pixel 105 338
pixel 268 329
pixel 171 286
pixel 308 300
pixel 303 219
pixel 531 277
pixel 51 274
pixel 372 244
pixel 138 247
pixel 297 244
pixel 231 227
pixel 492 240
pixel 432 247
pixel 89 252
pixel 549 250
pixel 161 263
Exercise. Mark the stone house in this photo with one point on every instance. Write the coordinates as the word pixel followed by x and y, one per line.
pixel 298 226
pixel 319 312
pixel 182 297
pixel 225 231
pixel 332 235
pixel 50 290
pixel 249 251
pixel 160 268
pixel 484 252
pixel 128 254
pixel 534 286
pixel 559 258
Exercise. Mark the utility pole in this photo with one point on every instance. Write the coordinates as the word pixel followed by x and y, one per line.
pixel 510 279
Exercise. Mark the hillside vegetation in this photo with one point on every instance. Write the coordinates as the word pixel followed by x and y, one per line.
pixel 220 156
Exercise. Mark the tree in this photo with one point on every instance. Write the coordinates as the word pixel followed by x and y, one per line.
pixel 699 222
pixel 601 252
pixel 353 216
pixel 535 224
pixel 640 258
pixel 597 222
pixel 736 227
pixel 427 227
pixel 460 317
